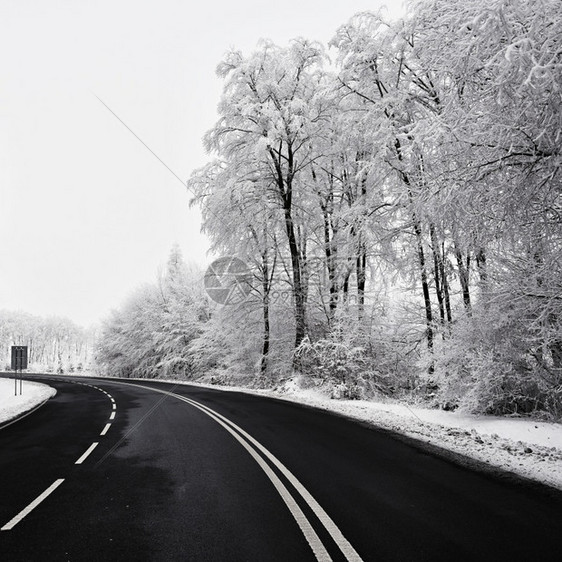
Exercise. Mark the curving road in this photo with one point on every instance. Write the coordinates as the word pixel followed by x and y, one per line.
pixel 115 470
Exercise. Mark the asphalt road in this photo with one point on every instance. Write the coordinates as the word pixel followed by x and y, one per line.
pixel 189 473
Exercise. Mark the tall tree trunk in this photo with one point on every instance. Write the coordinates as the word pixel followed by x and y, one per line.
pixel 298 289
pixel 464 272
pixel 360 270
pixel 445 285
pixel 361 264
pixel 439 281
pixel 345 286
pixel 331 263
pixel 421 255
pixel 285 187
pixel 326 203
pixel 425 287
pixel 265 305
pixel 483 273
pixel 481 265
pixel 305 270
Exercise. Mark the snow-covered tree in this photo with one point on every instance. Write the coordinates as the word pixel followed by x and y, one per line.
pixel 270 114
pixel 54 344
pixel 407 193
pixel 150 335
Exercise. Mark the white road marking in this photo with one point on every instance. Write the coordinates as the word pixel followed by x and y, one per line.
pixel 111 417
pixel 344 545
pixel 310 534
pixel 85 455
pixel 13 522
pixel 318 548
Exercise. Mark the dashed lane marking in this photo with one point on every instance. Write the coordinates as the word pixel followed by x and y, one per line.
pixel 88 451
pixel 111 417
pixel 26 511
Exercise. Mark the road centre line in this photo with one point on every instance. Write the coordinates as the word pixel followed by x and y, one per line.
pixel 114 407
pixel 308 531
pixel 344 545
pixel 310 534
pixel 27 510
pixel 319 550
pixel 24 512
pixel 88 451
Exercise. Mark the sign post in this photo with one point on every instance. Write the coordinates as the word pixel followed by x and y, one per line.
pixel 19 363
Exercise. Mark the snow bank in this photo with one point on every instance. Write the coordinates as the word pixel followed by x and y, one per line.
pixel 528 448
pixel 11 406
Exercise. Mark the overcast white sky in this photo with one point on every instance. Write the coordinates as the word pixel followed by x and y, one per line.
pixel 87 213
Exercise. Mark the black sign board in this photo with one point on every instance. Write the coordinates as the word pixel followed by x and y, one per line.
pixel 19 357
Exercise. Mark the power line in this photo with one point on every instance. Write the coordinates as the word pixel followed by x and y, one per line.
pixel 184 184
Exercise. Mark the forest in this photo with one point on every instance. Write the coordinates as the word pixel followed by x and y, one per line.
pixel 396 199
pixel 55 345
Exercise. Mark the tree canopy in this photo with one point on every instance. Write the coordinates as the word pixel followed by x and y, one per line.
pixel 396 196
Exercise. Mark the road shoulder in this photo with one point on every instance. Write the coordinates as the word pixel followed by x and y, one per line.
pixel 13 407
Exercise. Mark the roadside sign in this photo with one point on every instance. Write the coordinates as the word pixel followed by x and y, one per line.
pixel 19 357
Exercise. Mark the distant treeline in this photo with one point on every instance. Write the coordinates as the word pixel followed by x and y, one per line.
pixel 55 344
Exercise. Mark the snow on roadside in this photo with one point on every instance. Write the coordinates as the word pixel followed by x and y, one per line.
pixel 528 448
pixel 12 406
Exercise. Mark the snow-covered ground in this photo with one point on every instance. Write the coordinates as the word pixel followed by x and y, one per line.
pixel 528 448
pixel 33 394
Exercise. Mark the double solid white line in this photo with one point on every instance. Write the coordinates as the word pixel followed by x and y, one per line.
pixel 253 446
